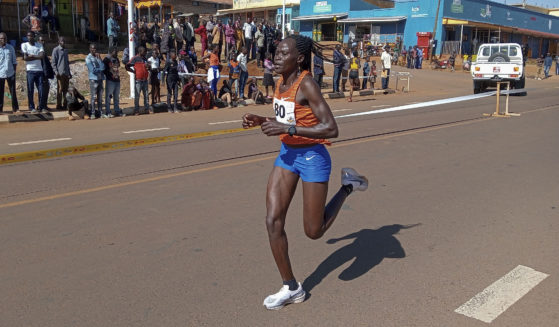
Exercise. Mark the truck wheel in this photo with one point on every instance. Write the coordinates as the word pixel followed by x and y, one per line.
pixel 477 87
pixel 520 85
pixel 498 57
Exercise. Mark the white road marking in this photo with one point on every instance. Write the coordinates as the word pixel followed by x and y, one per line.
pixel 146 130
pixel 41 141
pixel 341 110
pixel 226 122
pixel 380 106
pixel 422 104
pixel 499 296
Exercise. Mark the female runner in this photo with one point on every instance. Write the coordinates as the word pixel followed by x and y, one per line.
pixel 303 121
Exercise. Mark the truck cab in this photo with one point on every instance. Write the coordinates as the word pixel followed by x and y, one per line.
pixel 498 62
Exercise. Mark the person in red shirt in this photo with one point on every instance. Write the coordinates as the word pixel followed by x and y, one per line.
pixel 304 123
pixel 201 30
pixel 140 68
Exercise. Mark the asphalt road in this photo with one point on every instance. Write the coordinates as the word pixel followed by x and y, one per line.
pixel 173 234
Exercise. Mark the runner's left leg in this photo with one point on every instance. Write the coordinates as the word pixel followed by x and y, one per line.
pixel 316 217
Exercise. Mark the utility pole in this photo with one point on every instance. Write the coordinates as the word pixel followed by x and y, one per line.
pixel 431 48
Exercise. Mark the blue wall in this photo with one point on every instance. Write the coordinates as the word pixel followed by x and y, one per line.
pixel 421 16
pixel 500 14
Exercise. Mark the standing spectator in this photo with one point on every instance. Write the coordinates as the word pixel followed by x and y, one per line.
pixel 139 67
pixel 213 71
pixel 242 59
pixel 201 30
pixel 366 72
pixel 229 39
pixel 268 77
pixel 556 64
pixel 345 69
pixel 209 28
pixel 539 65
pixel 259 40
pixel 339 61
pixel 33 21
pixel 179 33
pixel 318 65
pixel 48 74
pixel 95 67
pixel 413 57
pixel 548 61
pixel 217 37
pixel 61 67
pixel 33 53
pixel 247 29
pixel 8 65
pixel 112 86
pixel 238 35
pixel 452 61
pixel 386 61
pixel 189 33
pixel 234 73
pixel 373 74
pixel 155 33
pixel 354 75
pixel 409 58
pixel 419 62
pixel 167 38
pixel 172 70
pixel 154 74
pixel 72 98
pixel 112 30
pixel 253 25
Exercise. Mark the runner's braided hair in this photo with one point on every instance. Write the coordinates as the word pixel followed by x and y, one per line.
pixel 305 46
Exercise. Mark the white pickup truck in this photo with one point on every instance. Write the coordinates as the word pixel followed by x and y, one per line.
pixel 498 62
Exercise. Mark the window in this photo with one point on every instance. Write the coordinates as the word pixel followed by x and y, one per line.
pixel 195 3
pixel 513 51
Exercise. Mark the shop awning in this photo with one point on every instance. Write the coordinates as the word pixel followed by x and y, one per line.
pixel 320 17
pixel 386 19
pixel 222 12
pixel 508 29
pixel 147 3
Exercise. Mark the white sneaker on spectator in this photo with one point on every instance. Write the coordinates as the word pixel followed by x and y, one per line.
pixel 285 296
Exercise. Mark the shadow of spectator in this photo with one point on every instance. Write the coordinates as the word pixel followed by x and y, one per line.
pixel 369 248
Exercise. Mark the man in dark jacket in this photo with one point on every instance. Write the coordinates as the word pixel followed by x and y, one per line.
pixel 339 61
pixel 318 65
pixel 61 67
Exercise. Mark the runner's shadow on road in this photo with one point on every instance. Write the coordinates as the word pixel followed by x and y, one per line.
pixel 369 248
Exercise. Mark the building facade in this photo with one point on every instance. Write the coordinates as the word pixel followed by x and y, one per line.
pixel 446 26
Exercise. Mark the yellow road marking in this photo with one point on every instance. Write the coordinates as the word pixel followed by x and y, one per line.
pixel 73 150
pixel 233 164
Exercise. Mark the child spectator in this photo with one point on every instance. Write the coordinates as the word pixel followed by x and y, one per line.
pixel 354 75
pixel 76 101
pixel 225 93
pixel 254 93
pixel 373 74
pixel 213 71
pixel 268 77
pixel 187 93
pixel 172 71
pixel 234 73
pixel 366 71
pixel 154 75
pixel 452 61
pixel 193 57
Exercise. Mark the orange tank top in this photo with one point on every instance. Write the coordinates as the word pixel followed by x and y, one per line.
pixel 288 111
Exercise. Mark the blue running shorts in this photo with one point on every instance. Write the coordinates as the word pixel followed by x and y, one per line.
pixel 312 164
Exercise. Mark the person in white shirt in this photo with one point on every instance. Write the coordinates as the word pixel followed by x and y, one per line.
pixel 33 53
pixel 247 28
pixel 242 59
pixel 386 61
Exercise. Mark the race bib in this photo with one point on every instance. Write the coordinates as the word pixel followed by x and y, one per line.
pixel 285 111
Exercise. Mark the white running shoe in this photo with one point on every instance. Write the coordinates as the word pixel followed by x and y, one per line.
pixel 350 176
pixel 285 296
